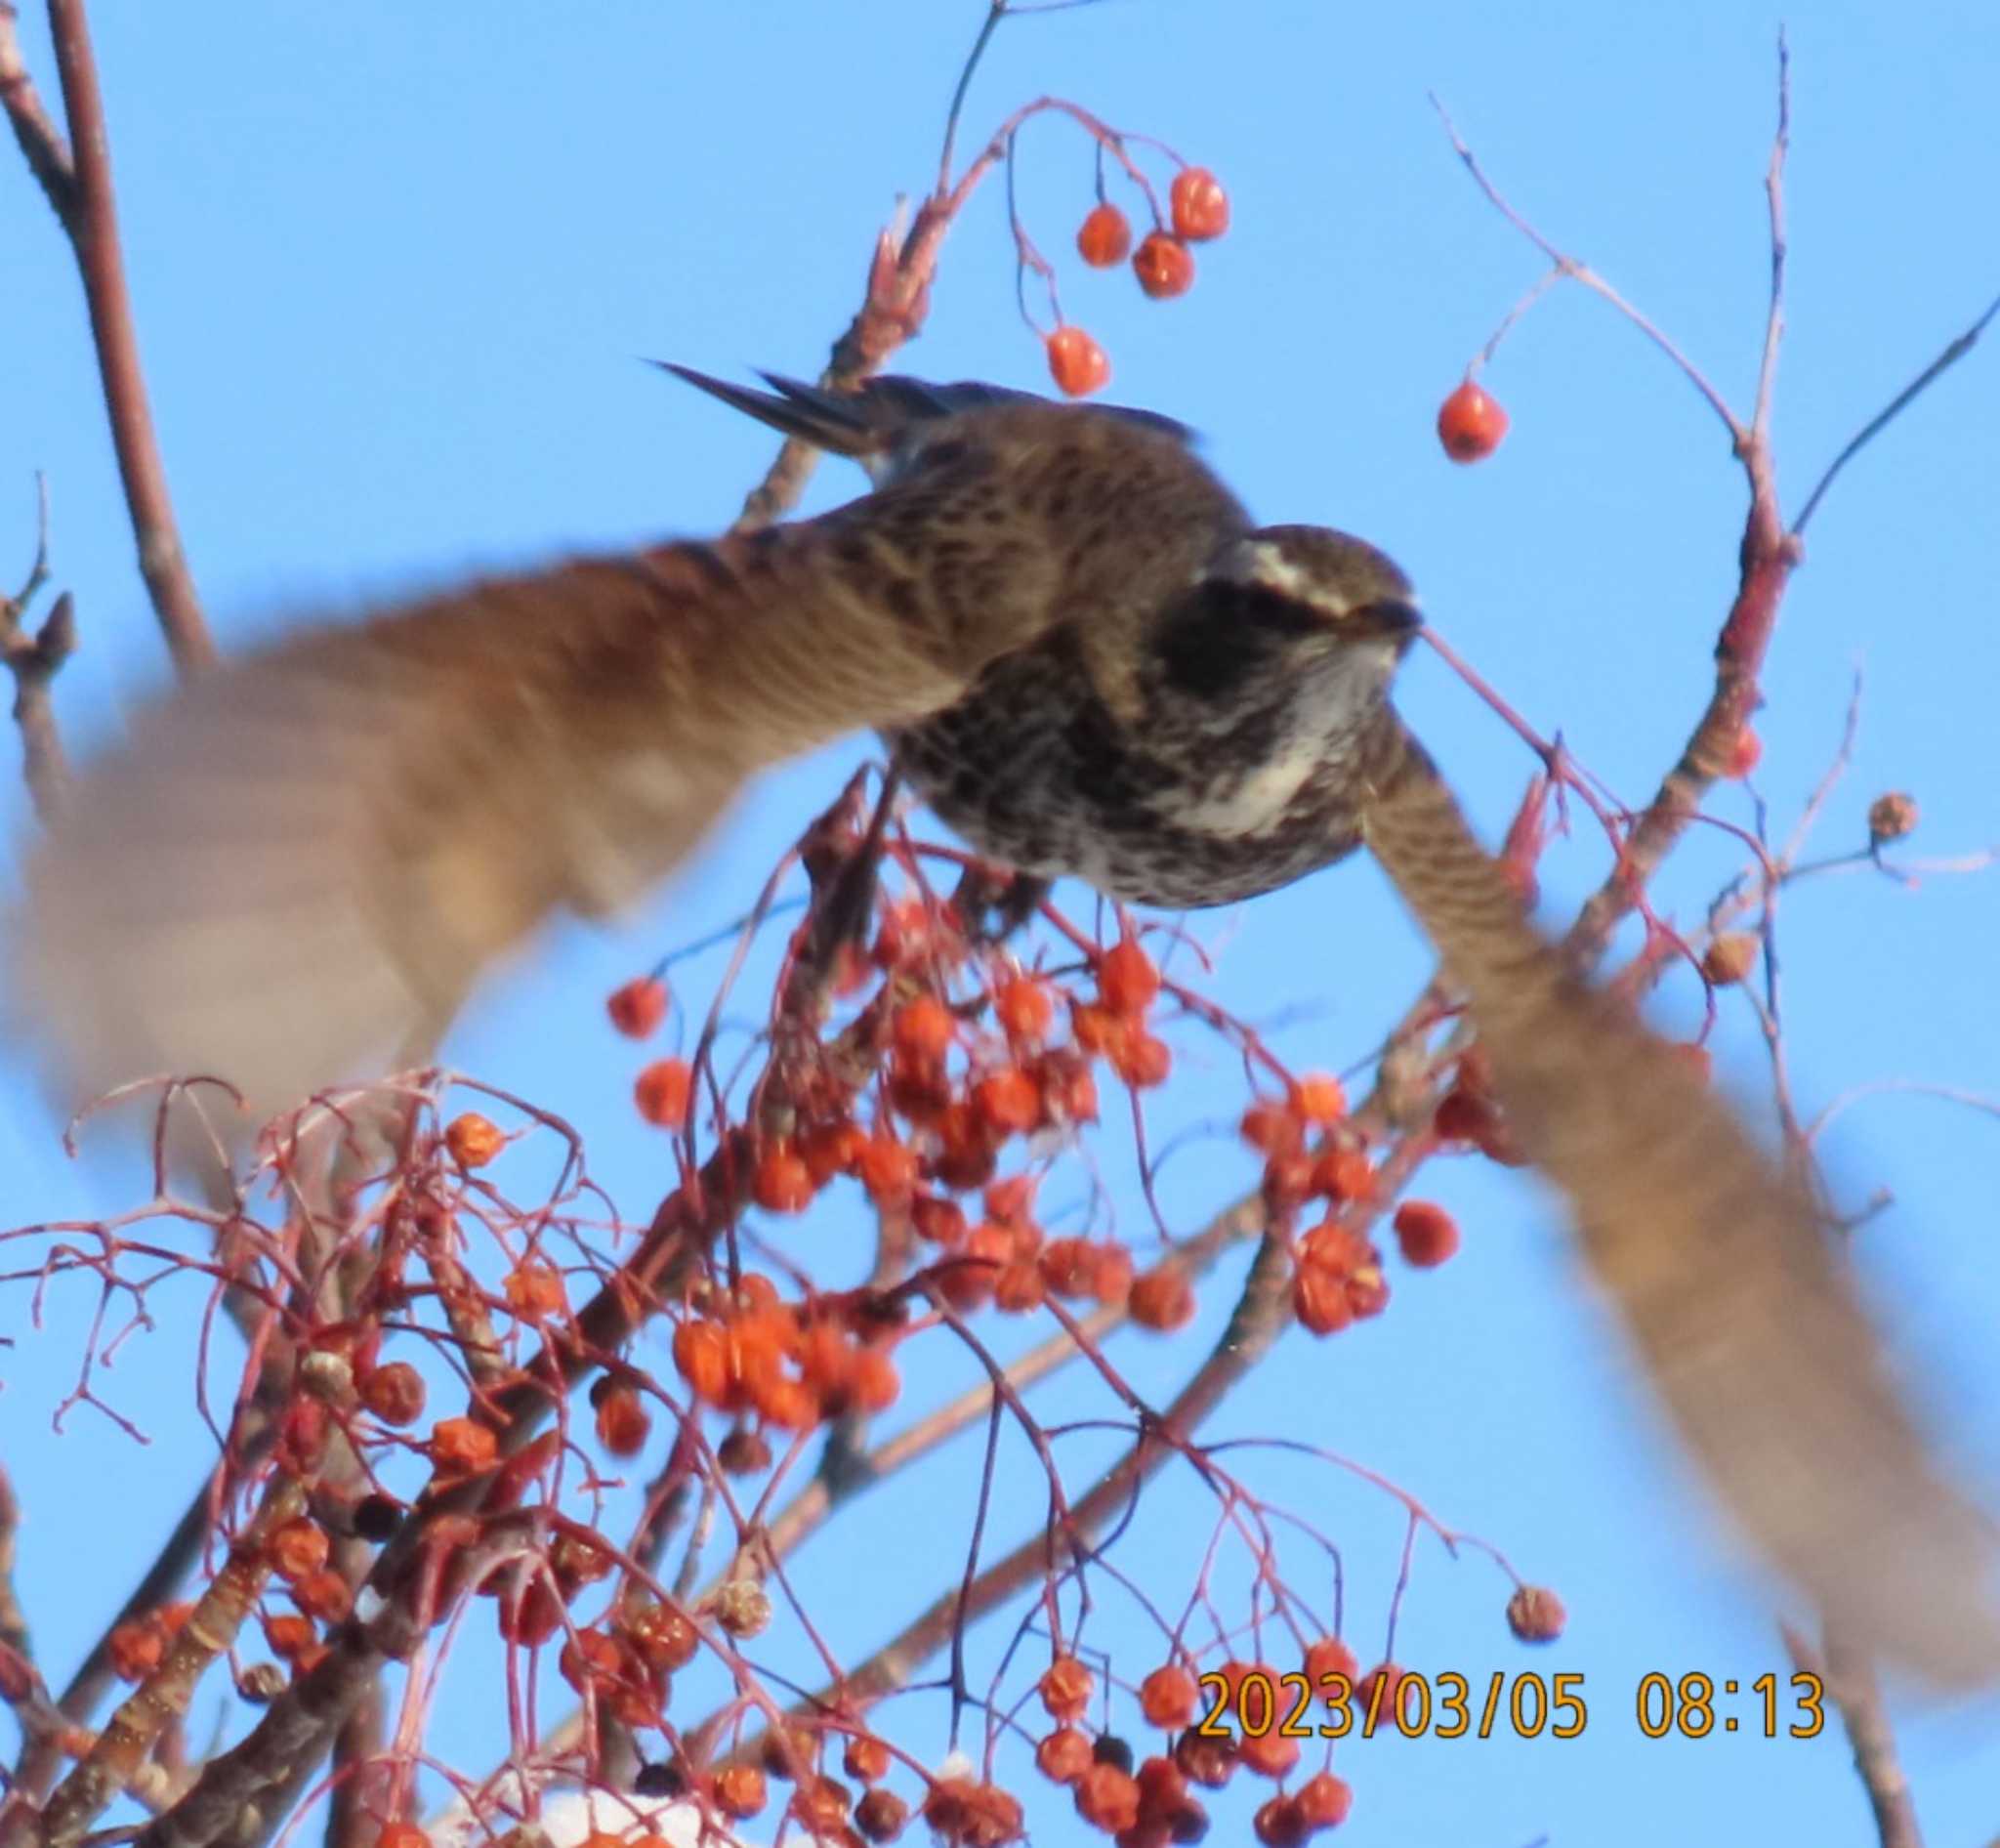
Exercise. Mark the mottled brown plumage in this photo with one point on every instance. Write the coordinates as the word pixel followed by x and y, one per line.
pixel 1091 663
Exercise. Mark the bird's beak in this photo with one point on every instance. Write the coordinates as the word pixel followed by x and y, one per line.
pixel 1387 617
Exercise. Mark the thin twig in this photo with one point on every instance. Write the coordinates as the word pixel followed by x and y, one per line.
pixel 1881 419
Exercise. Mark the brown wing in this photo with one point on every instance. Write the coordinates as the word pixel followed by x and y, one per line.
pixel 308 855
pixel 1745 1315
pixel 311 854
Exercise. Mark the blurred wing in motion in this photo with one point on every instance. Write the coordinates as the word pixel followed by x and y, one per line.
pixel 1744 1314
pixel 303 859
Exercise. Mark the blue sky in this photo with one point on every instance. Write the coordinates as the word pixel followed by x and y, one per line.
pixel 393 270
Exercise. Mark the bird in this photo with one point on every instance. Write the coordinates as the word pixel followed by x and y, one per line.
pixel 1090 661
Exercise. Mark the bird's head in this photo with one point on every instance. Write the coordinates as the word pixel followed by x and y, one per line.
pixel 1322 586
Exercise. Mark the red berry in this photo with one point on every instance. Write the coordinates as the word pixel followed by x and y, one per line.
pixel 1469 424
pixel 1272 1128
pixel 473 1140
pixel 1324 1800
pixel 1143 1060
pixel 924 1027
pixel 1426 1234
pixel 1201 208
pixel 394 1393
pixel 1076 362
pixel 1105 237
pixel 638 1006
pixel 1127 980
pixel 662 1091
pixel 1163 1299
pixel 1064 1756
pixel 782 1182
pixel 1065 1689
pixel 623 1422
pixel 1023 1009
pixel 1320 1098
pixel 1008 1101
pixel 1167 1695
pixel 1164 266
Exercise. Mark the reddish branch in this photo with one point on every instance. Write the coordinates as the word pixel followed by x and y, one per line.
pixel 77 179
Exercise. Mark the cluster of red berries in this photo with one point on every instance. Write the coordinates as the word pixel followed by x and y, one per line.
pixel 748 1352
pixel 1199 210
pixel 1151 1803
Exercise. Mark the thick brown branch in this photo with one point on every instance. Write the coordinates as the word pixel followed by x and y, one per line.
pixel 93 227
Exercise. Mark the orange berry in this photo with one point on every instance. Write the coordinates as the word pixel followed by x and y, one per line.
pixel 1320 1098
pixel 638 1006
pixel 1070 1266
pixel 866 1758
pixel 1743 756
pixel 1022 1008
pixel 324 1594
pixel 1319 1300
pixel 701 1355
pixel 1469 424
pixel 401 1835
pixel 1096 1026
pixel 1386 1677
pixel 941 1221
pixel 1064 1756
pixel 1164 266
pixel 1065 1688
pixel 1143 1060
pixel 1335 1247
pixel 740 1792
pixel 1105 237
pixel 1108 1799
pixel 297 1548
pixel 1111 1273
pixel 1127 978
pixel 534 1290
pixel 1323 1800
pixel 138 1646
pixel 888 1169
pixel 1270 1754
pixel 662 1637
pixel 1731 957
pixel 968 1149
pixel 1167 1695
pixel 830 1148
pixel 1273 1127
pixel 924 1027
pixel 1076 362
pixel 473 1140
pixel 1009 1100
pixel 1327 1659
pixel 1069 1092
pixel 287 1637
pixel 394 1391
pixel 623 1422
pixel 1344 1174
pixel 782 1182
pixel 1163 1299
pixel 1019 1288
pixel 1201 206
pixel 662 1091
pixel 1426 1234
pixel 875 1384
pixel 1535 1615
pixel 460 1446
